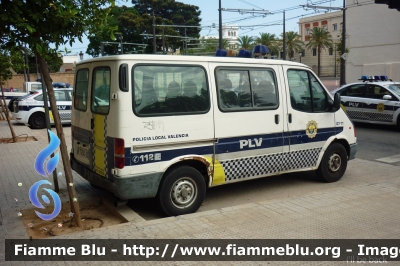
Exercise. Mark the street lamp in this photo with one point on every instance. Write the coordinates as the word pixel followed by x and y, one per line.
pixel 300 54
pixel 81 56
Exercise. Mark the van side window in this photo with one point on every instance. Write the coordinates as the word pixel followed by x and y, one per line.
pixel 101 79
pixel 169 90
pixel 81 89
pixel 240 90
pixel 306 93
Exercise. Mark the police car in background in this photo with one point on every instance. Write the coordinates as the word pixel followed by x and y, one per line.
pixel 29 109
pixel 375 99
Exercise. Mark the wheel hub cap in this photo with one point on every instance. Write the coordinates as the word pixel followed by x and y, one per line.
pixel 334 162
pixel 183 193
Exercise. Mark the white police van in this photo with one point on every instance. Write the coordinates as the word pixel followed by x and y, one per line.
pixel 173 126
pixel 29 109
pixel 375 99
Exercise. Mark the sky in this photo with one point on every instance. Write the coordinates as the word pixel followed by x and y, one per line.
pixel 250 24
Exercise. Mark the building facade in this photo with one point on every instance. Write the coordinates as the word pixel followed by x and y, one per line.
pixel 373 37
pixel 330 63
pixel 231 34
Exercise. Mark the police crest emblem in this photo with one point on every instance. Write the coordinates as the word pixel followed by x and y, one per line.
pixel 380 107
pixel 311 129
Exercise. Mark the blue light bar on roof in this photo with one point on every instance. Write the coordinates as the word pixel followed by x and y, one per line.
pixel 382 78
pixel 244 53
pixel 222 53
pixel 260 50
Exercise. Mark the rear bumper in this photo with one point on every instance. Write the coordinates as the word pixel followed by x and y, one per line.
pixel 353 151
pixel 132 187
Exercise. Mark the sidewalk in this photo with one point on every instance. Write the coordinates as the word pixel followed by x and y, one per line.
pixel 363 205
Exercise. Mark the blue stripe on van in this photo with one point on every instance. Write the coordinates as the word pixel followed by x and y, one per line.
pixel 228 145
pixel 163 155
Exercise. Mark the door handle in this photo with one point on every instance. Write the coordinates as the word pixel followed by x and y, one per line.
pixel 290 118
pixel 91 123
pixel 276 119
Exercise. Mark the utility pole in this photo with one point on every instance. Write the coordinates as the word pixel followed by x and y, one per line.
pixel 220 25
pixel 284 37
pixel 342 61
pixel 163 40
pixel 186 52
pixel 154 35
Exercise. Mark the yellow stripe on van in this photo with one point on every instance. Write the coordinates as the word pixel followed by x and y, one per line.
pixel 219 173
pixel 99 145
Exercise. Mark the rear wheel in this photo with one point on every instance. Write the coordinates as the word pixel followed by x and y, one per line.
pixel 37 121
pixel 182 191
pixel 333 163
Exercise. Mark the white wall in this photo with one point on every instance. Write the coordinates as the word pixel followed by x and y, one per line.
pixel 373 37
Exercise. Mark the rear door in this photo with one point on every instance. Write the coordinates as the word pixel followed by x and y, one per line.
pixel 310 124
pixel 100 107
pixel 249 121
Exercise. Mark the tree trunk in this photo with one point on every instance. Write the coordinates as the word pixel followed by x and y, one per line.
pixel 63 146
pixel 4 108
pixel 319 60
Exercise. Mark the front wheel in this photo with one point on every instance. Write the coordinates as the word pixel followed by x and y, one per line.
pixel 182 191
pixel 333 163
pixel 37 121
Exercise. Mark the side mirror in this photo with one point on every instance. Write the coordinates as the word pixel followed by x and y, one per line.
pixel 336 103
pixel 387 97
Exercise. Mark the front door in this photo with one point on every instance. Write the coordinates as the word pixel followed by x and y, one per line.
pixel 249 121
pixel 100 107
pixel 375 107
pixel 310 124
pixel 353 98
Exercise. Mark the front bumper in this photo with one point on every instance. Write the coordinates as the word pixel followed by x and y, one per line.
pixel 353 151
pixel 125 188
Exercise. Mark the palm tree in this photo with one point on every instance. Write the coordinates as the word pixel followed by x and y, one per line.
pixel 246 42
pixel 293 43
pixel 320 38
pixel 270 41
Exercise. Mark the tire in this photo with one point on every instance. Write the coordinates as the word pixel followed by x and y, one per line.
pixel 37 121
pixel 182 191
pixel 333 163
pixel 398 122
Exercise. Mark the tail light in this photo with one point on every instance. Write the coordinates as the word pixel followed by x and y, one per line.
pixel 119 153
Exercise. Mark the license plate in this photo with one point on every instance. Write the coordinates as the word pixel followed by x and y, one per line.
pixel 83 151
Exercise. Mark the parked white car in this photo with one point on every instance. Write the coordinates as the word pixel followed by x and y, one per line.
pixel 372 100
pixel 29 109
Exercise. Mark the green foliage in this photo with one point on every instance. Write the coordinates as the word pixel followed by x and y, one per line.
pixel 246 42
pixel 270 41
pixel 44 22
pixel 293 44
pixel 133 22
pixel 10 60
pixel 320 38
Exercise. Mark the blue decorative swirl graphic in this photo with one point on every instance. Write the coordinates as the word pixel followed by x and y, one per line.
pixel 46 152
pixel 35 201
